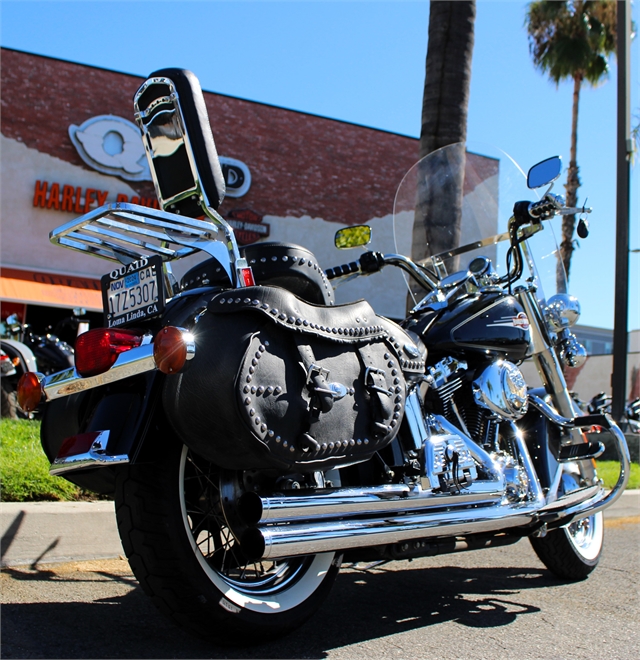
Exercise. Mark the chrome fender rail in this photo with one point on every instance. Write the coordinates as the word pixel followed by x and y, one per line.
pixel 130 363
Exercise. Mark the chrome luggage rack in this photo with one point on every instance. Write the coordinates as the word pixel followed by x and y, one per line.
pixel 124 233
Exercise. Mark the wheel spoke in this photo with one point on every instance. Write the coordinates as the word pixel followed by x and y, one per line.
pixel 216 542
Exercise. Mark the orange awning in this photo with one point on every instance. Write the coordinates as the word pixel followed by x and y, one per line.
pixel 51 295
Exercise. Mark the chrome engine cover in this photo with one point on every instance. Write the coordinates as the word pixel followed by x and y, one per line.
pixel 501 388
pixel 449 465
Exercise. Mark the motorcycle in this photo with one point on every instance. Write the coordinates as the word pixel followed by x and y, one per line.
pixel 255 435
pixel 29 353
pixel 601 402
pixel 632 413
pixel 50 353
pixel 7 391
pixel 16 359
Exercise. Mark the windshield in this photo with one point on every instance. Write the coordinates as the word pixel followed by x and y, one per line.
pixel 456 203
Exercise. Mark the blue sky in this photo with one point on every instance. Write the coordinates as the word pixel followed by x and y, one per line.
pixel 363 62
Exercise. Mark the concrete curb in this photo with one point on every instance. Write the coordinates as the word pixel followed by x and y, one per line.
pixel 51 532
pixel 54 532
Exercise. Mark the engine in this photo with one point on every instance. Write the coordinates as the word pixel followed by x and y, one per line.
pixel 483 404
pixel 475 401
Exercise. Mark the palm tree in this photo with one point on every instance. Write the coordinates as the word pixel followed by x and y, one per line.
pixel 572 40
pixel 444 115
pixel 448 74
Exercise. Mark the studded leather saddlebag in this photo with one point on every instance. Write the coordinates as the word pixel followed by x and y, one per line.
pixel 277 382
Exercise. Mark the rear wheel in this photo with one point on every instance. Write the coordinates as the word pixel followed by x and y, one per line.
pixel 185 555
pixel 572 552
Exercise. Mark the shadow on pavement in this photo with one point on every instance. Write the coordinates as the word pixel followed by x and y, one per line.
pixel 362 606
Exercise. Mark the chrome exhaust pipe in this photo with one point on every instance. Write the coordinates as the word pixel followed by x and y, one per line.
pixel 303 538
pixel 372 501
pixel 276 541
pixel 389 522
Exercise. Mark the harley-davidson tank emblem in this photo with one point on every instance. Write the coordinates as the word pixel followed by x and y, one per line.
pixel 519 321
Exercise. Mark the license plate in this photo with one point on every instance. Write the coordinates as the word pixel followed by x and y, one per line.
pixel 133 293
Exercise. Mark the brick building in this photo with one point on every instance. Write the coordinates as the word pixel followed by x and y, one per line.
pixel 294 177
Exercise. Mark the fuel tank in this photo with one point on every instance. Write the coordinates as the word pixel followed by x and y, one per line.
pixel 484 324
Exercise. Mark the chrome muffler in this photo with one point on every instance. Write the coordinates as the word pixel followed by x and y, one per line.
pixel 276 541
pixel 372 501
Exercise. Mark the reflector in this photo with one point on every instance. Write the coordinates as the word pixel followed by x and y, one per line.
pixel 171 349
pixel 29 391
pixel 97 350
pixel 77 444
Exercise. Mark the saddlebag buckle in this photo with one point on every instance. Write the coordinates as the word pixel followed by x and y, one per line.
pixel 373 378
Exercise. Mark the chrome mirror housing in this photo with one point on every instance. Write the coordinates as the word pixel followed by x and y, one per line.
pixel 545 172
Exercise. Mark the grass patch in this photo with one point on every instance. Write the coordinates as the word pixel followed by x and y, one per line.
pixel 609 471
pixel 24 468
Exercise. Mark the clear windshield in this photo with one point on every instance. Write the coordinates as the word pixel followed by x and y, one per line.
pixel 456 203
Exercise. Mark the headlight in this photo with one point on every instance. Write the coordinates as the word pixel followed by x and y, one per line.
pixel 562 311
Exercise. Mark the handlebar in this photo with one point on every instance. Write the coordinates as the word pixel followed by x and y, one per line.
pixel 345 269
pixel 546 208
pixel 373 262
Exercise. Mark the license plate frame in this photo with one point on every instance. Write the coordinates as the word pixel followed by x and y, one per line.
pixel 133 293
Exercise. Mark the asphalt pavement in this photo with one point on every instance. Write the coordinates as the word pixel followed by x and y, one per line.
pixel 56 532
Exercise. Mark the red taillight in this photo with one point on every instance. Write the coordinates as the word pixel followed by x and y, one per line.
pixel 97 350
pixel 172 347
pixel 29 391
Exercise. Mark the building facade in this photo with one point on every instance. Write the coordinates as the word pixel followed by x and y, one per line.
pixel 68 145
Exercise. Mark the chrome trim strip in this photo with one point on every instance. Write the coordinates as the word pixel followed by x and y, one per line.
pixel 130 363
pixel 95 457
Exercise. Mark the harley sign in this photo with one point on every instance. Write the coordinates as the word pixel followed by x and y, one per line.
pixel 112 145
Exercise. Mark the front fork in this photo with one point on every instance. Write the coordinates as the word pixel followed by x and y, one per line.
pixel 550 371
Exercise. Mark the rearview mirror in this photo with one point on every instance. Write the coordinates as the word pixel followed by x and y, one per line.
pixel 355 236
pixel 545 172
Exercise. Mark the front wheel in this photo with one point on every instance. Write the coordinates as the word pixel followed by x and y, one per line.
pixel 572 552
pixel 182 551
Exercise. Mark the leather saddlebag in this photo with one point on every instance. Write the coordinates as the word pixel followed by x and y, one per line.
pixel 277 382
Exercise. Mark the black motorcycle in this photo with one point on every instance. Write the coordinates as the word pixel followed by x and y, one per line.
pixel 255 435
pixel 28 352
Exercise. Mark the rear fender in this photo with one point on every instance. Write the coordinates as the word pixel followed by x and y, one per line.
pixel 125 409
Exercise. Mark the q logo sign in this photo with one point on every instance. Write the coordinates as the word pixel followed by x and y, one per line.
pixel 111 145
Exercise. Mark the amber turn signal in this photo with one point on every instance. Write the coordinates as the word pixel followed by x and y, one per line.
pixel 30 391
pixel 172 347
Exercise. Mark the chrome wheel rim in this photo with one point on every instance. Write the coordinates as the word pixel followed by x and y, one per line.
pixel 586 535
pixel 263 585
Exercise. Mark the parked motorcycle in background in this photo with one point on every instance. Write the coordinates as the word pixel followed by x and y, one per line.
pixel 29 352
pixel 8 373
pixel 50 352
pixel 632 412
pixel 255 436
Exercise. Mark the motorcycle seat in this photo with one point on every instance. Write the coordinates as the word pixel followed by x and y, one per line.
pixel 286 265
